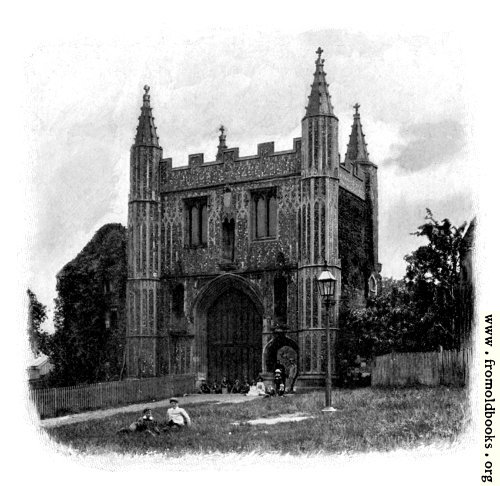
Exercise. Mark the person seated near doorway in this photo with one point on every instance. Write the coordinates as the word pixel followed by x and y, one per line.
pixel 292 376
pixel 216 388
pixel 278 379
pixel 177 417
pixel 253 392
pixel 236 388
pixel 282 368
pixel 204 388
pixel 145 423
pixel 245 387
pixel 261 387
pixel 225 386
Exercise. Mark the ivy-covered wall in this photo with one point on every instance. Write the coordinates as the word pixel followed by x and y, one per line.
pixel 88 345
pixel 355 246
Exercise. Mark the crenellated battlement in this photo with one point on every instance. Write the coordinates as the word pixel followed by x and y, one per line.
pixel 353 169
pixel 224 252
pixel 352 180
pixel 230 167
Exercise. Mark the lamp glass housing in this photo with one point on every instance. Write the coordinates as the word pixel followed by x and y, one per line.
pixel 326 284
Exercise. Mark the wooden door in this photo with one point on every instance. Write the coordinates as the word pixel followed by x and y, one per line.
pixel 234 338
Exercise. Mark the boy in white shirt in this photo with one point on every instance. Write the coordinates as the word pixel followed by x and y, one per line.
pixel 177 416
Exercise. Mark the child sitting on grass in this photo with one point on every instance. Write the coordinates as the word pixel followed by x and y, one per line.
pixel 261 387
pixel 176 417
pixel 146 423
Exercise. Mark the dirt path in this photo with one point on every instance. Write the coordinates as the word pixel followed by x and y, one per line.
pixel 138 407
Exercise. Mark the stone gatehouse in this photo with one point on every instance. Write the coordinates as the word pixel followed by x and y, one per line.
pixel 223 254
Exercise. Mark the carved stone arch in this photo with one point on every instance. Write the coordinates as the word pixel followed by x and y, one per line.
pixel 227 321
pixel 213 289
pixel 272 348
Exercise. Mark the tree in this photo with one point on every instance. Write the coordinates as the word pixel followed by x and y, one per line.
pixel 432 277
pixel 37 315
pixel 89 339
pixel 381 327
pixel 418 313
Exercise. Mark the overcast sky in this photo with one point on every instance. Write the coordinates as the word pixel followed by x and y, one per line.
pixel 84 99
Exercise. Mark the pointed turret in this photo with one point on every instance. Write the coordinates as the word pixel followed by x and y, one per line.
pixel 356 148
pixel 222 142
pixel 319 99
pixel 144 257
pixel 318 230
pixel 146 130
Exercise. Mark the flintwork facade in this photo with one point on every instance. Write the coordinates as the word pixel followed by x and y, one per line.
pixel 223 255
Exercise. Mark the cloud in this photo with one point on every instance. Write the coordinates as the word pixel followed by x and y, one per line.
pixel 428 144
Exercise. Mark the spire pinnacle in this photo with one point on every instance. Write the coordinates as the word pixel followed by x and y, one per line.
pixel 357 147
pixel 146 130
pixel 319 99
pixel 222 142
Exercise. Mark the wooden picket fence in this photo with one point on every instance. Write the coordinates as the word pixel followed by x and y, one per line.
pixel 53 402
pixel 432 368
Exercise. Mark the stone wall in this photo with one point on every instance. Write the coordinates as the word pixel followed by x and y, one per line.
pixel 351 180
pixel 267 164
pixel 355 246
pixel 306 204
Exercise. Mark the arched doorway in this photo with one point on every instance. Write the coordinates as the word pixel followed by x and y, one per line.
pixel 234 337
pixel 283 349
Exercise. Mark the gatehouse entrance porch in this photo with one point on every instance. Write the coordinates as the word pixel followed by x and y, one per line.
pixel 227 316
pixel 234 332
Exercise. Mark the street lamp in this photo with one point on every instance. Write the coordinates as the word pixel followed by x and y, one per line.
pixel 327 284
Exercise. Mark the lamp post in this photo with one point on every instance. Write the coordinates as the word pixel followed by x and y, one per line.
pixel 327 283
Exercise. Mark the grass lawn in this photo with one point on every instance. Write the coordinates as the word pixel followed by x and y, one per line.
pixel 366 420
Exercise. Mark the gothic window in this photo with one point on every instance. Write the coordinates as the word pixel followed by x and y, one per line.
pixel 265 214
pixel 137 319
pixel 316 256
pixel 323 231
pixel 144 312
pixel 280 300
pixel 178 300
pixel 151 311
pixel 329 144
pixel 372 286
pixel 314 352
pixel 143 246
pixel 107 286
pixel 307 364
pixel 111 320
pixel 228 240
pixel 196 222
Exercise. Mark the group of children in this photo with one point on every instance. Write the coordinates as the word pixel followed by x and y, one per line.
pixel 284 381
pixel 177 417
pixel 226 386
